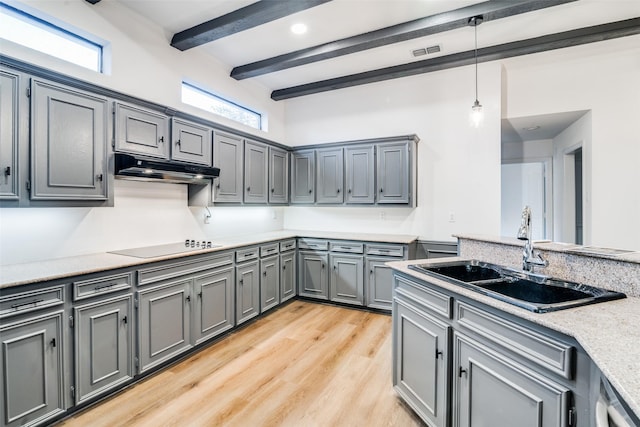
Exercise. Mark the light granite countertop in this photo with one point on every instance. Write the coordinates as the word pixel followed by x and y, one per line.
pixel 59 268
pixel 609 332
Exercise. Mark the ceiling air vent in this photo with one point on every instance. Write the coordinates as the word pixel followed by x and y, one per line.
pixel 426 50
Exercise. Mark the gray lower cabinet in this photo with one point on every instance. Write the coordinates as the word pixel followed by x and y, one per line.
pixel 303 176
pixel 247 291
pixel 9 135
pixel 329 178
pixel 420 362
pixel 103 346
pixel 68 143
pixel 164 328
pixel 214 308
pixel 393 173
pixel 359 174
pixel 32 361
pixel 255 172
pixel 278 176
pixel 141 131
pixel 346 283
pixel 269 282
pixel 287 275
pixel 379 283
pixel 313 278
pixel 191 142
pixel 228 155
pixel 493 390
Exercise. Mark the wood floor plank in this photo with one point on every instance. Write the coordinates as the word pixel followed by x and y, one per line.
pixel 304 364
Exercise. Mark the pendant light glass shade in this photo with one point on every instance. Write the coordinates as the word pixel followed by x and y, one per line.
pixel 477 115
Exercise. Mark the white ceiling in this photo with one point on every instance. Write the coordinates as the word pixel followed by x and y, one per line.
pixel 343 18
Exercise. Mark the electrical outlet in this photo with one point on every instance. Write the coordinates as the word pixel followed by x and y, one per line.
pixel 383 216
pixel 452 216
pixel 207 218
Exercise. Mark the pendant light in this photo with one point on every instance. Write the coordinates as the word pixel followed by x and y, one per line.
pixel 477 115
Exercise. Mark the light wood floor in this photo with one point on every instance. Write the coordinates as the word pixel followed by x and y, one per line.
pixel 303 365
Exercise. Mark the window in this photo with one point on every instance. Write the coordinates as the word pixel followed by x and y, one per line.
pixel 200 98
pixel 36 33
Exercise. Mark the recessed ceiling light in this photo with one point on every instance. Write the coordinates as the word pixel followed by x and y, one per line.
pixel 531 128
pixel 299 28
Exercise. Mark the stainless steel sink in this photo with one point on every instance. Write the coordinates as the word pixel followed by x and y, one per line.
pixel 533 292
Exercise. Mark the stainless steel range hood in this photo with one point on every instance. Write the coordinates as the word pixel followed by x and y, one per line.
pixel 140 168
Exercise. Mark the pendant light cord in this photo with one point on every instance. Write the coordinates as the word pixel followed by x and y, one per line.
pixel 475 29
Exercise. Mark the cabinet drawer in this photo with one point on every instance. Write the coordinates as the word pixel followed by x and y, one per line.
pixel 348 247
pixel 433 300
pixel 26 302
pixel 270 249
pixel 385 250
pixel 175 269
pixel 313 244
pixel 540 349
pixel 246 254
pixel 287 245
pixel 83 289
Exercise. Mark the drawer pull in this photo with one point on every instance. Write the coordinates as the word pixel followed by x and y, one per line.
pixel 346 247
pixel 101 287
pixel 34 302
pixel 383 250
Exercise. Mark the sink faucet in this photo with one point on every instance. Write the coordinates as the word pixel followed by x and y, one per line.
pixel 529 257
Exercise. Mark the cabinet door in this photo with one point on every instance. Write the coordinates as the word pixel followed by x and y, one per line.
pixel 69 142
pixel 483 377
pixel 313 280
pixel 359 169
pixel 379 283
pixel 393 172
pixel 9 133
pixel 287 276
pixel 103 346
pixel 278 175
pixel 255 172
pixel 330 175
pixel 269 283
pixel 247 291
pixel 228 156
pixel 346 283
pixel 214 305
pixel 191 142
pixel 32 370
pixel 141 131
pixel 303 177
pixel 163 322
pixel 420 355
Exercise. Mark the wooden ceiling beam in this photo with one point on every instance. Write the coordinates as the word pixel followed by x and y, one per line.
pixel 441 22
pixel 242 19
pixel 561 40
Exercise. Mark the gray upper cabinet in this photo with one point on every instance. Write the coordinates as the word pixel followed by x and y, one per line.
pixel 393 173
pixel 359 171
pixel 9 135
pixel 191 142
pixel 141 131
pixel 255 172
pixel 303 177
pixel 228 155
pixel 278 175
pixel 103 346
pixel 69 143
pixel 330 166
pixel 32 369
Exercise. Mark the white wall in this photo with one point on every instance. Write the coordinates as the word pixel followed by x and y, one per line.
pixel 458 166
pixel 601 77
